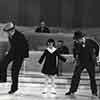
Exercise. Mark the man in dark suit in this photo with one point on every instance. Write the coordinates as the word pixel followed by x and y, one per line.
pixel 85 52
pixel 18 50
pixel 62 49
pixel 42 28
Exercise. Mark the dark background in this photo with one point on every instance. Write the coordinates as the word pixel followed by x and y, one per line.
pixel 60 13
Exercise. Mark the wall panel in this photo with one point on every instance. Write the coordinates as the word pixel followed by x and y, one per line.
pixel 51 11
pixel 61 13
pixel 67 13
pixel 8 8
pixel 29 12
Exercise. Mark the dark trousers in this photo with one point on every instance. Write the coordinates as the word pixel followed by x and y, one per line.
pixel 59 68
pixel 16 66
pixel 76 77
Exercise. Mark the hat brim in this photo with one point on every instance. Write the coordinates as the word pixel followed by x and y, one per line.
pixel 7 30
pixel 77 37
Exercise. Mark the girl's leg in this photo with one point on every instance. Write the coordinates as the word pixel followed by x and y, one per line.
pixel 46 80
pixel 52 77
pixel 46 84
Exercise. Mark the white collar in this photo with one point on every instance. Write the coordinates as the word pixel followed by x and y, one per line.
pixel 51 50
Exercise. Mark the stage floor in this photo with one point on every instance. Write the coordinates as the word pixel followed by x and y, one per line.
pixel 32 91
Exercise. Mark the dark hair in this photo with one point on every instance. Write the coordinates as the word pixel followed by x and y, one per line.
pixel 42 20
pixel 60 41
pixel 51 41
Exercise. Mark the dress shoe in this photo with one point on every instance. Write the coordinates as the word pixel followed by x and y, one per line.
pixel 12 91
pixel 94 95
pixel 69 93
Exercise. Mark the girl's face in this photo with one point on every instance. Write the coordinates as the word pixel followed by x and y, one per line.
pixel 50 44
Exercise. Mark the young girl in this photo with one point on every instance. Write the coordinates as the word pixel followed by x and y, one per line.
pixel 49 67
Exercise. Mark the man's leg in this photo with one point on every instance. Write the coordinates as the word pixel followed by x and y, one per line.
pixel 75 79
pixel 0 69
pixel 16 66
pixel 4 65
pixel 91 72
pixel 60 67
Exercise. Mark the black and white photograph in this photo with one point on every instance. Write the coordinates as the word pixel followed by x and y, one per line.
pixel 49 50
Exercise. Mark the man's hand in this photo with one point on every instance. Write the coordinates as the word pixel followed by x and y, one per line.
pixel 70 60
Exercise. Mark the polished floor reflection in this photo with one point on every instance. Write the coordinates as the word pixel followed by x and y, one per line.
pixel 33 91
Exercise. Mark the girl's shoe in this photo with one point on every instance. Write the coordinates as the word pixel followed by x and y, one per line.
pixel 45 91
pixel 53 91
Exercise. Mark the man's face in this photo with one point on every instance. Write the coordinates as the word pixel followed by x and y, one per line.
pixel 81 40
pixel 11 32
pixel 42 24
pixel 59 44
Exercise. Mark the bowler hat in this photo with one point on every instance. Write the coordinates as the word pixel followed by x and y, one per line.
pixel 8 27
pixel 78 35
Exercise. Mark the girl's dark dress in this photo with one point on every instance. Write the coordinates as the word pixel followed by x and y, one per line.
pixel 49 66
